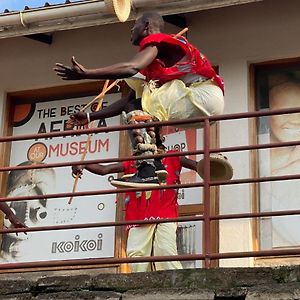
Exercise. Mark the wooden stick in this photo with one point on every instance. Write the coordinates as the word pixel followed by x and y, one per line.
pixel 182 32
pixel 100 98
pixel 104 91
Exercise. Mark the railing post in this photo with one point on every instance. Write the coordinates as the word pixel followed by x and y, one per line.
pixel 206 193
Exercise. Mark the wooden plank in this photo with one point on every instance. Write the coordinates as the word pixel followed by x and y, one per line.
pixel 121 233
pixel 254 187
pixel 191 210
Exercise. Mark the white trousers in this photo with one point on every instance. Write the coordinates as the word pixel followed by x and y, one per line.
pixel 153 239
pixel 175 101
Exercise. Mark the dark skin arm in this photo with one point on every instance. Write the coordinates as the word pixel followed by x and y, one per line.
pixel 115 109
pixel 105 169
pixel 188 163
pixel 11 216
pixel 102 170
pixel 117 71
pixel 99 169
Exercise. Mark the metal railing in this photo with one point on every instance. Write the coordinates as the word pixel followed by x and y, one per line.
pixel 206 218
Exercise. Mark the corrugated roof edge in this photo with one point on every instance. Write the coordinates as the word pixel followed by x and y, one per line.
pixel 46 4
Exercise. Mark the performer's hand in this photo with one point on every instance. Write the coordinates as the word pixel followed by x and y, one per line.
pixel 77 171
pixel 79 118
pixel 15 222
pixel 75 72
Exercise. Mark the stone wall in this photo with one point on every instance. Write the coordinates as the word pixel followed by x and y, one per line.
pixel 218 284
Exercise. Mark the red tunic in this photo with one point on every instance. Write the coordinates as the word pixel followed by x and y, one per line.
pixel 194 62
pixel 155 204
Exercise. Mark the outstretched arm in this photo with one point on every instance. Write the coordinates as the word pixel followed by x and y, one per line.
pixel 105 169
pixel 115 109
pixel 117 71
pixel 188 163
pixel 99 169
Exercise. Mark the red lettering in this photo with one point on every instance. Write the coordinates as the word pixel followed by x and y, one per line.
pixel 54 149
pixel 74 148
pixel 78 148
pixel 103 144
pixel 82 146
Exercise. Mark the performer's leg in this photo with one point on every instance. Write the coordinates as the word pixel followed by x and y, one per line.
pixel 143 143
pixel 175 101
pixel 160 170
pixel 139 243
pixel 165 245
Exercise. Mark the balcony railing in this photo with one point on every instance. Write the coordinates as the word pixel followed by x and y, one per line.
pixel 207 256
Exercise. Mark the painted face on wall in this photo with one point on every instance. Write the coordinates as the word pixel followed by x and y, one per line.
pixel 285 127
pixel 32 213
pixel 30 183
pixel 138 32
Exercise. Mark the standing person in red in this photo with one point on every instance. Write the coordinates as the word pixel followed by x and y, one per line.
pixel 180 83
pixel 151 239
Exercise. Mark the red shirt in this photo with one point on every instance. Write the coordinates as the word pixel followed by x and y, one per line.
pixel 194 62
pixel 155 204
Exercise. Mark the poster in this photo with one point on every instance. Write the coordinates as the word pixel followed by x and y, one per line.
pixel 278 87
pixel 45 117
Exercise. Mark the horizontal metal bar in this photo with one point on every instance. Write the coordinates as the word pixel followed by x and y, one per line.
pixel 161 187
pixel 98 161
pixel 146 125
pixel 278 213
pixel 156 221
pixel 254 114
pixel 132 158
pixel 102 224
pixel 254 180
pixel 97 130
pixel 97 261
pixel 255 253
pixel 254 147
pixel 102 192
pixel 102 261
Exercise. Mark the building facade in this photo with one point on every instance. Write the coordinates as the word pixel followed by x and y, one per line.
pixel 254 46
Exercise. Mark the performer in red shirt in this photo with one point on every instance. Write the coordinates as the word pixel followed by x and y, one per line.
pixel 151 239
pixel 180 83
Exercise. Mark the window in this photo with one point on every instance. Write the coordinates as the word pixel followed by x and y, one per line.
pixel 277 86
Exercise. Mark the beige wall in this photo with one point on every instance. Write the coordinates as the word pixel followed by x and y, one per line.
pixel 232 38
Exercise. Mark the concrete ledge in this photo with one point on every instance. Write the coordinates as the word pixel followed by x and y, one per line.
pixel 224 283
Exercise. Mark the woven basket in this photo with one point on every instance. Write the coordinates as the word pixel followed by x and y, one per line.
pixel 220 168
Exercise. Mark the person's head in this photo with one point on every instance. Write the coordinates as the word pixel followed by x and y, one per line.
pixel 285 127
pixel 148 23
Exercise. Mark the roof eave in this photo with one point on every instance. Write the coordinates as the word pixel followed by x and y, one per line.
pixel 94 13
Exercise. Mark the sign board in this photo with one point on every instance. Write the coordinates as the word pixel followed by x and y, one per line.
pixel 44 117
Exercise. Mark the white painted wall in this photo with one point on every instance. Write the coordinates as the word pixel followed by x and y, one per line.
pixel 231 37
